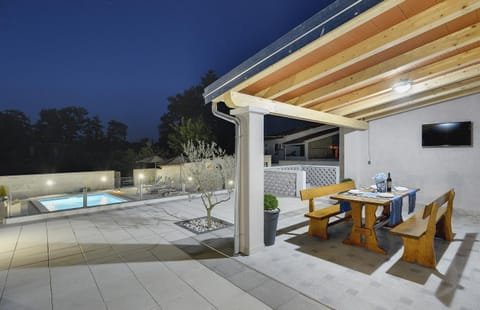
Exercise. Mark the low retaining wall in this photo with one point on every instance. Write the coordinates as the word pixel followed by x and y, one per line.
pixel 31 185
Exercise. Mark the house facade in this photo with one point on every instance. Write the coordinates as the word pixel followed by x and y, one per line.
pixel 320 143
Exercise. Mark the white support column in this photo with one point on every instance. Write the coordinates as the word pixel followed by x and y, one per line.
pixel 251 178
pixel 306 146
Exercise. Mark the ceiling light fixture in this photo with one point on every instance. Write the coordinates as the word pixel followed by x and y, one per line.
pixel 402 86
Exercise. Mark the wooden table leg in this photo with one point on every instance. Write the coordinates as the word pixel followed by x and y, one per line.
pixel 371 241
pixel 355 237
pixel 366 230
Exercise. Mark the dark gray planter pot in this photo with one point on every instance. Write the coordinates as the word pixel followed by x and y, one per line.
pixel 270 221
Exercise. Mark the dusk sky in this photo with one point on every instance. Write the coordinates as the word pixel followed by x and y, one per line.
pixel 122 59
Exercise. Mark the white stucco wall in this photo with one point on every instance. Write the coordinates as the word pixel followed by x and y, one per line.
pixel 396 147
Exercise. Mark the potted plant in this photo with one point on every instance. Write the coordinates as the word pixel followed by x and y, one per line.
pixel 270 218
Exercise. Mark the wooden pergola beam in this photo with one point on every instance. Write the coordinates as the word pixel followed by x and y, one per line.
pixel 239 100
pixel 446 79
pixel 448 94
pixel 416 101
pixel 459 61
pixel 395 35
pixel 363 18
pixel 395 66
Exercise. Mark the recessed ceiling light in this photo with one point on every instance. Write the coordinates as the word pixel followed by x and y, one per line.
pixel 402 86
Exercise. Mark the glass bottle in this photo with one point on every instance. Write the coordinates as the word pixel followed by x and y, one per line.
pixel 389 183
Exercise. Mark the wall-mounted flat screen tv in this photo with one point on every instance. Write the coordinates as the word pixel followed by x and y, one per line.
pixel 447 134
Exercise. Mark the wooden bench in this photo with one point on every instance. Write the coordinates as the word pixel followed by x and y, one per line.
pixel 319 219
pixel 419 230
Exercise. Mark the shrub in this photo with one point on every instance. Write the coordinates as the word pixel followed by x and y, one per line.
pixel 3 191
pixel 270 202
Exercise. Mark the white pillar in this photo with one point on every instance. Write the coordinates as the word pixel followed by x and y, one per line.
pixel 251 178
pixel 306 146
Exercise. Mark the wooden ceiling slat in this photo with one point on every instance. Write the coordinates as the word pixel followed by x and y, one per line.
pixel 274 69
pixel 412 7
pixel 317 87
pixel 438 97
pixel 443 80
pixel 414 100
pixel 349 72
pixel 420 23
pixel 393 17
pixel 387 69
pixel 355 67
pixel 419 75
pixel 463 22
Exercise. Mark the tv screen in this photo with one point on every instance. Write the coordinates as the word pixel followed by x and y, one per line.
pixel 447 134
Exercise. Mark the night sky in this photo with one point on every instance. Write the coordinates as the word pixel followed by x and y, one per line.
pixel 121 59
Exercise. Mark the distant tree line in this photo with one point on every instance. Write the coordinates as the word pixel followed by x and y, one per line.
pixel 63 140
pixel 69 139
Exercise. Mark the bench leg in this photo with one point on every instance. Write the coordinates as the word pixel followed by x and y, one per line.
pixel 318 228
pixel 444 228
pixel 419 251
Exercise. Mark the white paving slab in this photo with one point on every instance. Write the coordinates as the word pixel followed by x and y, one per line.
pixel 136 258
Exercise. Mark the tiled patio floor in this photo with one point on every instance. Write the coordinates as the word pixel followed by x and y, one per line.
pixel 137 258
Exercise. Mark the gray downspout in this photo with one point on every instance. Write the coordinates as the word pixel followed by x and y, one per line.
pixel 236 216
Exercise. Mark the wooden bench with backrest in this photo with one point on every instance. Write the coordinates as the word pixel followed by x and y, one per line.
pixel 419 230
pixel 319 219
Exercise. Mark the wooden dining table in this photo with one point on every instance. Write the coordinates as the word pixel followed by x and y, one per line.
pixel 363 231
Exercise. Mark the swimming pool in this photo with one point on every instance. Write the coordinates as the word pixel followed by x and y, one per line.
pixel 75 202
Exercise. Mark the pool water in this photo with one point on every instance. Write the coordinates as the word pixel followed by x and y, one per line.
pixel 75 202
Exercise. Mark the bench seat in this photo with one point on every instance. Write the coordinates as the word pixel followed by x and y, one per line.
pixel 324 212
pixel 419 230
pixel 320 218
pixel 416 226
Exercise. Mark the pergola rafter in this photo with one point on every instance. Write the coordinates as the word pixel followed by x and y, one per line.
pixel 351 68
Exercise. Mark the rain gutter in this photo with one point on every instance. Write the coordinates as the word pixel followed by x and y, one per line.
pixel 233 120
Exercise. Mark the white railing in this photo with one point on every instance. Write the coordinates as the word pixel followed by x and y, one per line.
pixel 289 180
pixel 284 182
pixel 322 175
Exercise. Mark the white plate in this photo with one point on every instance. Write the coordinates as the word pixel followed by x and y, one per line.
pixel 401 188
pixel 354 191
pixel 385 195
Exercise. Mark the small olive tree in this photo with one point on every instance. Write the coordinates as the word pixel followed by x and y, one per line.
pixel 211 170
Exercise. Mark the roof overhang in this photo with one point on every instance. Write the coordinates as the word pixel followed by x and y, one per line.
pixel 339 67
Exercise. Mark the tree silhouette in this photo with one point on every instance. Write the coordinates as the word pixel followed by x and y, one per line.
pixel 16 145
pixel 116 133
pixel 188 130
pixel 190 105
